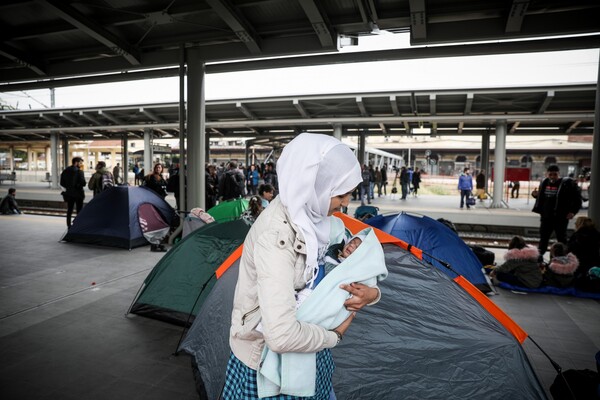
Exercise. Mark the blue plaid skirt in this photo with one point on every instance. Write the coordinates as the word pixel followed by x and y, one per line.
pixel 240 382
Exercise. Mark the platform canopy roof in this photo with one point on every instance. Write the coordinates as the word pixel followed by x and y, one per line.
pixel 560 110
pixel 52 39
pixel 55 43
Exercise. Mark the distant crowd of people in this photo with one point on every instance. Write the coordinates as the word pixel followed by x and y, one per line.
pixel 375 177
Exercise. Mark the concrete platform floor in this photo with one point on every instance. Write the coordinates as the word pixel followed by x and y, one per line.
pixel 64 333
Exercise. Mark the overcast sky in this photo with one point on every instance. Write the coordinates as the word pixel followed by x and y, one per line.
pixel 554 68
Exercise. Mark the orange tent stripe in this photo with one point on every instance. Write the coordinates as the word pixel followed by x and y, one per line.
pixel 356 226
pixel 493 309
pixel 229 261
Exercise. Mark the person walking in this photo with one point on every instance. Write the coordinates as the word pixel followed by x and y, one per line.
pixel 465 185
pixel 136 174
pixel 156 182
pixel 384 178
pixel 378 180
pixel 252 180
pixel 480 185
pixel 404 182
pixel 516 185
pixel 282 253
pixel 365 185
pixel 371 182
pixel 73 180
pixel 557 201
pixel 270 176
pixel 416 181
pixel 231 184
pixel 101 179
pixel 118 179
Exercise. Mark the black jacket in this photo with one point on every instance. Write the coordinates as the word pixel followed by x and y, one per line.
pixel 585 244
pixel 73 180
pixel 568 198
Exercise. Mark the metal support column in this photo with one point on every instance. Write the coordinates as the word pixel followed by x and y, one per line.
pixel 362 139
pixel 148 156
pixel 54 169
pixel 247 154
pixel 594 190
pixel 66 158
pixel 196 129
pixel 125 158
pixel 182 150
pixel 499 163
pixel 337 131
pixel 11 152
pixel 485 156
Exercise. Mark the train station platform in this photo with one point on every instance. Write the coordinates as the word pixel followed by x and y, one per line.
pixel 515 213
pixel 64 332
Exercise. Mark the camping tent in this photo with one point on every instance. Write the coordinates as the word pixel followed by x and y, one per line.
pixel 437 240
pixel 117 217
pixel 228 210
pixel 429 337
pixel 178 284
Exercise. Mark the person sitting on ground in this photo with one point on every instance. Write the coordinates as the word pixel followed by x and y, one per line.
pixel 585 245
pixel 101 180
pixel 254 209
pixel 9 204
pixel 562 267
pixel 521 266
pixel 156 182
pixel 266 193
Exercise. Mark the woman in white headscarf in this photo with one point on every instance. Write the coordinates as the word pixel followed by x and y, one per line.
pixel 282 251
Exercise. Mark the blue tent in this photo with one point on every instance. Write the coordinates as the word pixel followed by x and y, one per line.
pixel 112 218
pixel 436 239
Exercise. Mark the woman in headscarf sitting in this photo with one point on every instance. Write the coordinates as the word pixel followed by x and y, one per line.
pixel 281 256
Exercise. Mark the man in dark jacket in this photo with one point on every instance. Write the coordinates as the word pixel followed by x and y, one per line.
pixel 270 176
pixel 73 180
pixel 557 201
pixel 231 186
pixel 480 185
pixel 9 203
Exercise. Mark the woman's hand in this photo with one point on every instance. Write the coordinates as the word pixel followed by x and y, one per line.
pixel 345 325
pixel 361 296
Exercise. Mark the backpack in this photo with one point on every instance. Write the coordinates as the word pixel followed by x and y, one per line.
pixel 233 186
pixel 107 181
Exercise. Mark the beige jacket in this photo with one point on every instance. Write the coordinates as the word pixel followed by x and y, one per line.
pixel 271 272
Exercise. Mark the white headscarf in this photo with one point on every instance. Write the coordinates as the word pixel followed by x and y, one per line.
pixel 312 169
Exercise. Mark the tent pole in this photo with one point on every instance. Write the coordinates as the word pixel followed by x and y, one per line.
pixel 556 366
pixel 135 298
pixel 185 326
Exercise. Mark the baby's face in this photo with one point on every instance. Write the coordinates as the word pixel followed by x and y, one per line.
pixel 350 247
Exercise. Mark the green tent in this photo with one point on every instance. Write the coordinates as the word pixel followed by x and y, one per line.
pixel 176 287
pixel 228 210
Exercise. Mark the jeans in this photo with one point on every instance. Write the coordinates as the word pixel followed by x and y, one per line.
pixel 73 201
pixel 548 225
pixel 364 190
pixel 464 194
pixel 404 190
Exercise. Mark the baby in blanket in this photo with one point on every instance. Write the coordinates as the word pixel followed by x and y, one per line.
pixel 335 255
